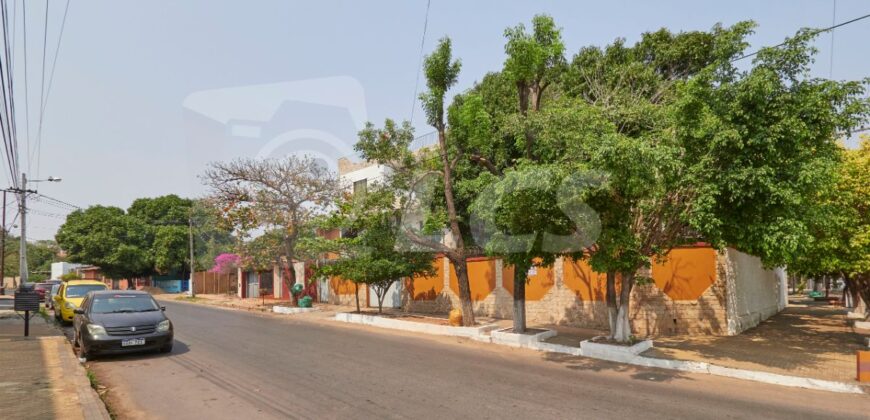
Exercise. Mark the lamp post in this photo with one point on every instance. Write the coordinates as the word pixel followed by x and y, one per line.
pixel 22 203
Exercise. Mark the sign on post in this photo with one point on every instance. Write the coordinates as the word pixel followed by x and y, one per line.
pixel 26 300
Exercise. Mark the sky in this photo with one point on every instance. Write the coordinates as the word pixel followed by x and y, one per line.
pixel 146 93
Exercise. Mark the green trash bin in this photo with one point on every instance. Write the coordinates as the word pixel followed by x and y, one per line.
pixel 305 302
pixel 297 289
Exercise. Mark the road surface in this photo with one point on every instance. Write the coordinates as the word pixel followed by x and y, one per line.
pixel 239 365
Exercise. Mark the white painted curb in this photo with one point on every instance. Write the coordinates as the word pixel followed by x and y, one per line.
pixel 613 352
pixel 477 333
pixel 508 338
pixel 291 310
pixel 862 325
pixel 627 356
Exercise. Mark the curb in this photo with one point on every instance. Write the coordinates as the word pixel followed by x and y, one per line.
pixel 91 405
pixel 477 333
pixel 287 310
pixel 487 334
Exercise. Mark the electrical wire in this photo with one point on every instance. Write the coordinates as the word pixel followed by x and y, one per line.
pixel 815 32
pixel 420 63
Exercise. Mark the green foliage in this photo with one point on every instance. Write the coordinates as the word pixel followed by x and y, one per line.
pixel 109 238
pixel 441 73
pixel 369 251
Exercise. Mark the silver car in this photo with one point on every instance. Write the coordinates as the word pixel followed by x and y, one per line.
pixel 49 297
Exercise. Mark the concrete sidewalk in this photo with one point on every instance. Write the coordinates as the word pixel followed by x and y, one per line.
pixel 807 339
pixel 40 377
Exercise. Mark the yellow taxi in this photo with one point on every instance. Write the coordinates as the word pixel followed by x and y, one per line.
pixel 70 296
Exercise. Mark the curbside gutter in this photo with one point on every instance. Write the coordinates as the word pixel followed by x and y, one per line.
pixel 618 354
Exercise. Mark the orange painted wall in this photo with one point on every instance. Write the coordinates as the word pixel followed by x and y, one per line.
pixel 341 286
pixel 481 278
pixel 537 285
pixel 427 288
pixel 686 273
pixel 586 284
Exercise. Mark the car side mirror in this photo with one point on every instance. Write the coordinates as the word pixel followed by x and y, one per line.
pixel 79 311
pixel 163 308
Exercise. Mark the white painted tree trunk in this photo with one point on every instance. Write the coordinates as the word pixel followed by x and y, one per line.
pixel 622 330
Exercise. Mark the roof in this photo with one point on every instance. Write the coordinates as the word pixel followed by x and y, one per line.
pixel 83 282
pixel 120 292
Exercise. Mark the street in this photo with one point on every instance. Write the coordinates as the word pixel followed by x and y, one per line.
pixel 235 364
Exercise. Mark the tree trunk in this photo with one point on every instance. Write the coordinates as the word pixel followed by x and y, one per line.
pixel 850 292
pixel 461 267
pixel 520 277
pixel 622 334
pixel 356 292
pixel 381 301
pixel 610 298
pixel 289 279
pixel 458 258
pixel 827 286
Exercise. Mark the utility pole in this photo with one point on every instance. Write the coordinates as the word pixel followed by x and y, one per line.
pixel 3 246
pixel 190 239
pixel 22 251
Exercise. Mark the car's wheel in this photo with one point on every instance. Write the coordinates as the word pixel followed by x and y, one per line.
pixel 80 349
pixel 166 348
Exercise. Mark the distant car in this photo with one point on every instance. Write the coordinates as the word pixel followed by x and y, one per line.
pixel 49 297
pixel 70 296
pixel 42 289
pixel 115 321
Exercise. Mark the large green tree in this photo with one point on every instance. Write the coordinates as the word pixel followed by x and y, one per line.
pixel 109 238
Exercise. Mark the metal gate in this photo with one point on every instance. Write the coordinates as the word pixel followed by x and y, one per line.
pixel 253 284
pixel 393 298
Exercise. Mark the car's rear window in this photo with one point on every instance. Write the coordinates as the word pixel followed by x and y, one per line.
pixel 82 289
pixel 108 303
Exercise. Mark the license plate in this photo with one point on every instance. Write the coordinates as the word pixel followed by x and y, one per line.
pixel 133 342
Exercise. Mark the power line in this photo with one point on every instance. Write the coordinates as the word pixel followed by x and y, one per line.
pixel 42 90
pixel 420 63
pixel 816 32
pixel 58 201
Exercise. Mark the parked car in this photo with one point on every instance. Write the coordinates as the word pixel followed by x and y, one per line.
pixel 113 321
pixel 47 286
pixel 70 296
pixel 42 289
pixel 49 297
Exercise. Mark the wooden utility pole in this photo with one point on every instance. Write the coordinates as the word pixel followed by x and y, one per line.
pixel 190 239
pixel 3 246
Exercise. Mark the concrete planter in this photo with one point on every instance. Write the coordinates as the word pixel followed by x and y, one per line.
pixel 614 352
pixel 477 333
pixel 508 338
pixel 291 310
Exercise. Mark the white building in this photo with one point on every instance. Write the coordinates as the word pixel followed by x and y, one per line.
pixel 60 268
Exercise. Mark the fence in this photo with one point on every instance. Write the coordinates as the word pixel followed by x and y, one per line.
pixel 214 283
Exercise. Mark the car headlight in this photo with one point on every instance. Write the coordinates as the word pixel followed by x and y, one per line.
pixel 96 330
pixel 69 305
pixel 163 326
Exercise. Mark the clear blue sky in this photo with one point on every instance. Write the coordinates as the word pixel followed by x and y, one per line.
pixel 116 127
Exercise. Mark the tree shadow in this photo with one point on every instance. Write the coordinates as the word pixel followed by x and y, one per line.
pixel 594 365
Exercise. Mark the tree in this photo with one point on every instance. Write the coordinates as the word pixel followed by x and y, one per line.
pixel 840 226
pixel 412 171
pixel 368 252
pixel 107 237
pixel 278 195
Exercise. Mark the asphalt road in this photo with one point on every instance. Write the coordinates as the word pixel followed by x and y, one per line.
pixel 239 365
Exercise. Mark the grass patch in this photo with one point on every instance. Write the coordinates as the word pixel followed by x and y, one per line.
pixel 102 392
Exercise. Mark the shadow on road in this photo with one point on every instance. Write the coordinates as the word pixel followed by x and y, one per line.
pixel 638 373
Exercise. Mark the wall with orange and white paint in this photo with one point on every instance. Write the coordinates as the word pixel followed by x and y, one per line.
pixel 688 295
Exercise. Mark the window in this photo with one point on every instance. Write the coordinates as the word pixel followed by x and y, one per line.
pixel 115 303
pixel 360 188
pixel 78 291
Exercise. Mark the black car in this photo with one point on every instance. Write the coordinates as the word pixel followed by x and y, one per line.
pixel 113 322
